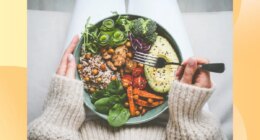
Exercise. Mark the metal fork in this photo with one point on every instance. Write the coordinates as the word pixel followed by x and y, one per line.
pixel 159 62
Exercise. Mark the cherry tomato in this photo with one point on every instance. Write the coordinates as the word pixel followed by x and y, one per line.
pixel 126 80
pixel 139 82
pixel 137 71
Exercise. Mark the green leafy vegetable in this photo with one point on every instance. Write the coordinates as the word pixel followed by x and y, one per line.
pixel 104 104
pixel 108 33
pixel 99 94
pixel 115 87
pixel 90 38
pixel 118 115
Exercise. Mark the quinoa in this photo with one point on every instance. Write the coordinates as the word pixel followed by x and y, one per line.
pixel 94 63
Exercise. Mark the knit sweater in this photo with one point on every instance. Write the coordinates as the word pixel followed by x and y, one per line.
pixel 64 117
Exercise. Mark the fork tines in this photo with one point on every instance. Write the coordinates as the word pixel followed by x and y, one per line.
pixel 146 59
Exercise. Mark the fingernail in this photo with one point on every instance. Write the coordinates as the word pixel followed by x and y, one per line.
pixel 71 57
pixel 75 38
pixel 191 62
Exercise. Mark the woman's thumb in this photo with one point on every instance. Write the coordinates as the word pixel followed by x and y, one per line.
pixel 71 67
pixel 189 71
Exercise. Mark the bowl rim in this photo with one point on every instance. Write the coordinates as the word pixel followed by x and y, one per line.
pixel 164 105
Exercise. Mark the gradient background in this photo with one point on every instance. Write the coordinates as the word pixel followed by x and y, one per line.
pixel 13 76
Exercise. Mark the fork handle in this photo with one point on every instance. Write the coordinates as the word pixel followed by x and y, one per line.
pixel 214 67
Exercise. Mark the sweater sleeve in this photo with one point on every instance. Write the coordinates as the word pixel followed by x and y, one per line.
pixel 187 118
pixel 63 112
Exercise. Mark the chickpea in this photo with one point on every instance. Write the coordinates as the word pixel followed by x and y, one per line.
pixel 103 67
pixel 126 104
pixel 140 65
pixel 94 71
pixel 128 44
pixel 99 79
pixel 150 100
pixel 137 113
pixel 111 51
pixel 86 79
pixel 80 66
pixel 113 78
pixel 140 108
pixel 129 55
pixel 121 46
pixel 143 111
pixel 125 85
pixel 92 90
pixel 136 97
pixel 88 56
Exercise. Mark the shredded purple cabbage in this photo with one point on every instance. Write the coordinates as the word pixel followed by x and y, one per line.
pixel 139 45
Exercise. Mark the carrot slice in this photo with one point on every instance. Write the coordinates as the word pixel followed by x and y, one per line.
pixel 131 100
pixel 145 103
pixel 146 94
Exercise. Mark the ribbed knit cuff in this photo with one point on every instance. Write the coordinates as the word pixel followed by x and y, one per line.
pixel 187 99
pixel 64 103
pixel 187 120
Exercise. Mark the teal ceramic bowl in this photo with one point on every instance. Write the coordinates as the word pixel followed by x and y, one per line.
pixel 151 114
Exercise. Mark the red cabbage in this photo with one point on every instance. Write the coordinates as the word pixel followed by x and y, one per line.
pixel 139 45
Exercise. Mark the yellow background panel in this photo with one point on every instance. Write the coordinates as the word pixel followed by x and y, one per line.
pixel 13 103
pixel 13 36
pixel 246 67
pixel 13 80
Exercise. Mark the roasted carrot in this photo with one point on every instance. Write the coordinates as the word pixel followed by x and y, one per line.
pixel 146 94
pixel 131 101
pixel 145 103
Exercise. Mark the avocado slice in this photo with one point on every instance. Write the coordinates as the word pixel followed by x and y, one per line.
pixel 160 79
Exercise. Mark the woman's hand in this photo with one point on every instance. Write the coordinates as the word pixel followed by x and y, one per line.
pixel 190 73
pixel 67 65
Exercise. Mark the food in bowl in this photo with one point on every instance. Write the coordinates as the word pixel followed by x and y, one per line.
pixel 160 79
pixel 94 72
pixel 118 86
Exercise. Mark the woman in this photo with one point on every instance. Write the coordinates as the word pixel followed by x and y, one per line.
pixel 65 118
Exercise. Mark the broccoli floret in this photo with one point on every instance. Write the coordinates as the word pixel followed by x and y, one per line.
pixel 150 27
pixel 144 28
pixel 151 38
pixel 137 26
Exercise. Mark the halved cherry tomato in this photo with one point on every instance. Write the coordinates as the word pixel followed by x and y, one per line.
pixel 139 82
pixel 137 71
pixel 126 80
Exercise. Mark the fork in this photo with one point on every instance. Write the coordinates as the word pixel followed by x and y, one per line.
pixel 159 62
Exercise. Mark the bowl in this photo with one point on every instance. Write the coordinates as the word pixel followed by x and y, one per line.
pixel 151 114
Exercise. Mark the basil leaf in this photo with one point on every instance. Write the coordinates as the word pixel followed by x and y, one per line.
pixel 99 94
pixel 115 87
pixel 104 104
pixel 118 115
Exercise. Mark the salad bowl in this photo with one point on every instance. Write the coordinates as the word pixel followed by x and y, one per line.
pixel 149 115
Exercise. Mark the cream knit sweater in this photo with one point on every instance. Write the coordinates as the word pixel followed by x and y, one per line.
pixel 64 117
